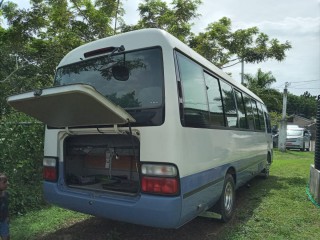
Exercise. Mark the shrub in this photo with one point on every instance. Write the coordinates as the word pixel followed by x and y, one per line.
pixel 21 153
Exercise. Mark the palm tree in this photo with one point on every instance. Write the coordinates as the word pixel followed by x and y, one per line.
pixel 261 81
pixel 260 84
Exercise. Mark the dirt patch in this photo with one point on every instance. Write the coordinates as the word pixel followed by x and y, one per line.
pixel 102 229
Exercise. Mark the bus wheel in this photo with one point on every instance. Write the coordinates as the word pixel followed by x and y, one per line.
pixel 266 171
pixel 227 199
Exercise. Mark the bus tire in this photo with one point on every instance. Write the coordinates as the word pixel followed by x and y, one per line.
pixel 227 199
pixel 265 173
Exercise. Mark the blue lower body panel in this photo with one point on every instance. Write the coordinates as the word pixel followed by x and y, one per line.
pixel 148 210
pixel 202 190
pixel 199 192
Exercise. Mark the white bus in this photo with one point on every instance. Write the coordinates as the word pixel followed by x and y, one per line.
pixel 142 129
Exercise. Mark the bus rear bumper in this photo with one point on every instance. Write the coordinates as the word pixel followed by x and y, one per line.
pixel 148 210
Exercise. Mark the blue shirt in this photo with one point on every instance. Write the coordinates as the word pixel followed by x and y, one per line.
pixel 4 207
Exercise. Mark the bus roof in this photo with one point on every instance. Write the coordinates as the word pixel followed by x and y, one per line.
pixel 145 38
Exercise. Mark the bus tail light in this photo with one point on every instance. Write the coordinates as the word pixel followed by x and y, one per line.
pixel 50 169
pixel 159 179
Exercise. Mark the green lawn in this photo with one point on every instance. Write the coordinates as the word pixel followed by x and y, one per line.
pixel 47 220
pixel 276 208
pixel 279 208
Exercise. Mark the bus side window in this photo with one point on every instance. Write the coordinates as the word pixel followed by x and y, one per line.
pixel 262 120
pixel 267 117
pixel 250 117
pixel 256 115
pixel 229 105
pixel 243 123
pixel 215 101
pixel 195 102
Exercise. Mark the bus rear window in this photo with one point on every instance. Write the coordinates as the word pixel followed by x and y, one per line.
pixel 133 80
pixel 130 80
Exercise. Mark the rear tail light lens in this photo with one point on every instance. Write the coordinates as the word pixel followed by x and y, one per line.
pixel 159 170
pixel 50 169
pixel 159 185
pixel 159 179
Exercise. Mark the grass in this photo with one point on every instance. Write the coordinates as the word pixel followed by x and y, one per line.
pixel 277 208
pixel 41 222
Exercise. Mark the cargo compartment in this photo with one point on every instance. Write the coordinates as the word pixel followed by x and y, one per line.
pixel 107 163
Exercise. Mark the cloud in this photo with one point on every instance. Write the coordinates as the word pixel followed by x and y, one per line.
pixel 299 27
pixel 289 26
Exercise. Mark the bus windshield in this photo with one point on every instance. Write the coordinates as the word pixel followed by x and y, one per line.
pixel 132 80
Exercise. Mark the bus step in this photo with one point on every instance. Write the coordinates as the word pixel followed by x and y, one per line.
pixel 209 214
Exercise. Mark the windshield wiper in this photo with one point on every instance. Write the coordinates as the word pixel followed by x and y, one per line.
pixel 117 49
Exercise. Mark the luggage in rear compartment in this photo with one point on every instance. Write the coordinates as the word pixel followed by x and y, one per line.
pixel 102 162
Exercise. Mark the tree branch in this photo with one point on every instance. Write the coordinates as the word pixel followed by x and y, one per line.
pixel 8 77
pixel 82 13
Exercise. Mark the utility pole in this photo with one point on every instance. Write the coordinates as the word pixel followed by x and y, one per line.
pixel 283 122
pixel 314 182
pixel 242 71
pixel 116 19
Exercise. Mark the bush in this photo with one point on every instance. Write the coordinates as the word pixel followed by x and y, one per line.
pixel 21 153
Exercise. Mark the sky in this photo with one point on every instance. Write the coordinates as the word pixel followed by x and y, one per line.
pixel 296 21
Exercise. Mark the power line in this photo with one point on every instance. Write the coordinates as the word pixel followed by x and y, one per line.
pixel 302 82
pixel 279 86
pixel 306 81
pixel 303 88
pixel 303 85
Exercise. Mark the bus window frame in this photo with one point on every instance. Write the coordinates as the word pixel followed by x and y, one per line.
pixel 180 93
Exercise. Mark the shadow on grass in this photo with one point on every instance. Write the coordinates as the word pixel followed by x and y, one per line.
pixel 102 229
pixel 249 198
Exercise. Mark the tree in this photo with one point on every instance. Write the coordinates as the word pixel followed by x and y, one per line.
pixel 20 69
pixel 211 43
pixel 21 156
pixel 226 48
pixel 260 84
pixel 42 35
pixel 175 20
pixel 260 81
pixel 304 105
pixel 275 118
pixel 61 25
pixel 219 44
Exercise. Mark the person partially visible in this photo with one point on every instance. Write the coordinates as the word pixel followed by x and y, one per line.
pixel 4 208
